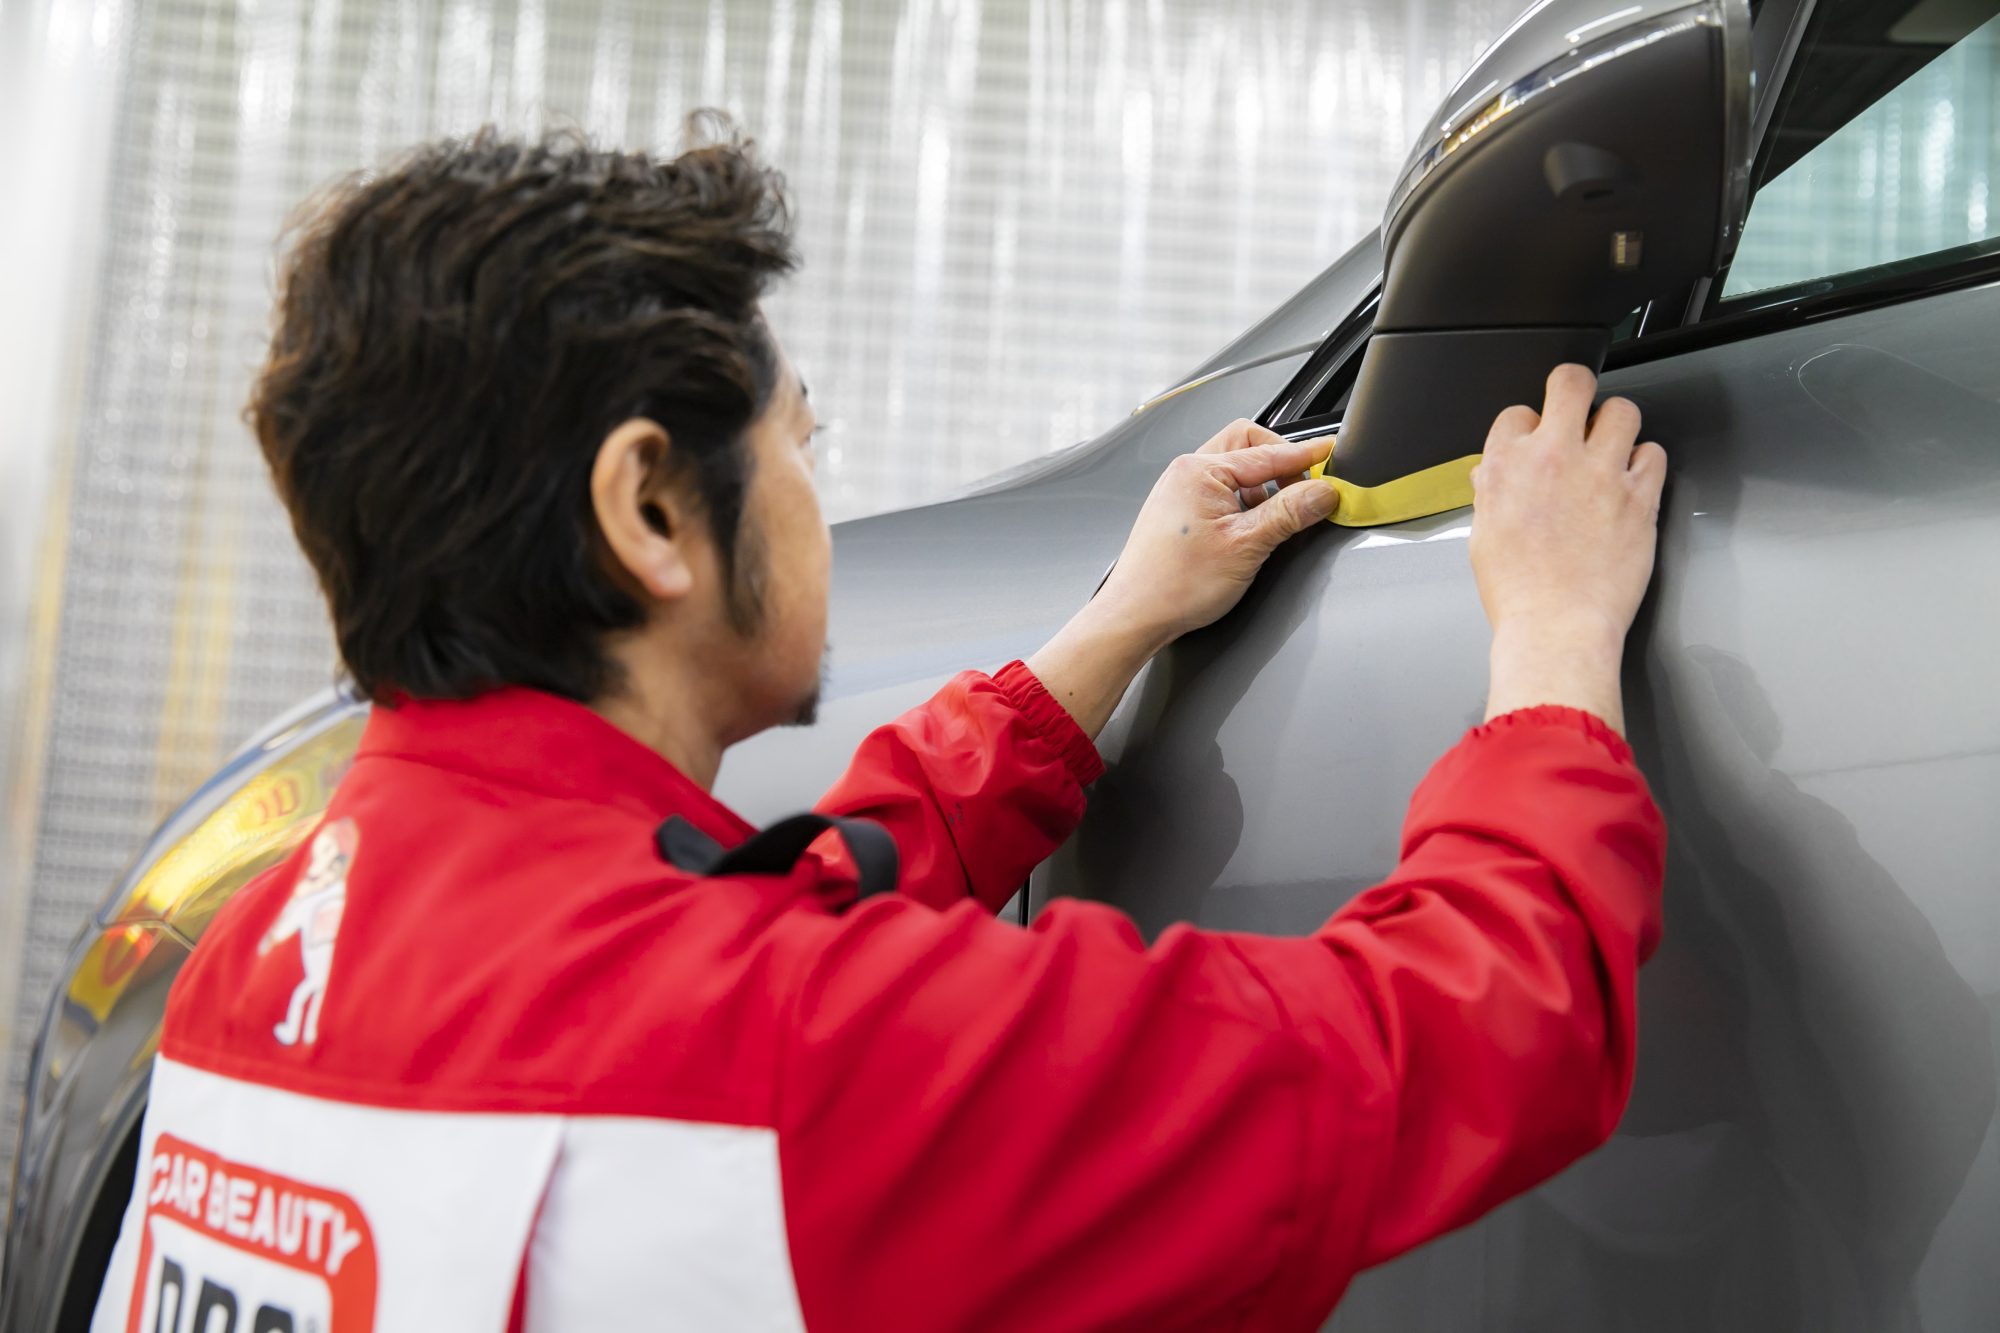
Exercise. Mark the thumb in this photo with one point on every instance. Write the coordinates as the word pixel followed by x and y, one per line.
pixel 1294 509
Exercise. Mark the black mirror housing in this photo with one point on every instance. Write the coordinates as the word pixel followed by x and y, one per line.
pixel 1595 158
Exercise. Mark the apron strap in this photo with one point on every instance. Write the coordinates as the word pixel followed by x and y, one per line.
pixel 776 849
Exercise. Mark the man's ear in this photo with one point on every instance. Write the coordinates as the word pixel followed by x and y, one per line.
pixel 645 524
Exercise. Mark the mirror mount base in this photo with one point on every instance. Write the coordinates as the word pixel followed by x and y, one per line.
pixel 1427 397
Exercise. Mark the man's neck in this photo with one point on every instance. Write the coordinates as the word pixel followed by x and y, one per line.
pixel 669 716
pixel 697 756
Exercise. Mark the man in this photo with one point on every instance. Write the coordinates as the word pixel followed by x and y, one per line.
pixel 593 1055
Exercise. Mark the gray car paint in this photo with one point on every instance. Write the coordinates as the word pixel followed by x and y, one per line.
pixel 1811 1141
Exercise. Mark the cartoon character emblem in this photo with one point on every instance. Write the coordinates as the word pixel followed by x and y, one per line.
pixel 313 914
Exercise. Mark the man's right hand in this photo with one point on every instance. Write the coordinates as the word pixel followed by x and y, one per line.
pixel 1565 523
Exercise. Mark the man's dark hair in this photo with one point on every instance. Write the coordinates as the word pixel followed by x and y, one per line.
pixel 454 338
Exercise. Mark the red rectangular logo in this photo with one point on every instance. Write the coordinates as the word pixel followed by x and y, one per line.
pixel 230 1248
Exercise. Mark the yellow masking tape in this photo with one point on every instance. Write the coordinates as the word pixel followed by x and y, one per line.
pixel 1432 491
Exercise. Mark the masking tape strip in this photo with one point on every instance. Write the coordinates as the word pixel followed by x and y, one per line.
pixel 1431 491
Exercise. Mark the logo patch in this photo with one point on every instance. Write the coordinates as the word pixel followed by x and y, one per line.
pixel 227 1248
pixel 313 914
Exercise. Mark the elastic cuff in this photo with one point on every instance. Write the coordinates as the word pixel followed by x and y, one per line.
pixel 1050 720
pixel 1557 715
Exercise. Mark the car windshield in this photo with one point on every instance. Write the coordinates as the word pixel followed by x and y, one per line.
pixel 1883 151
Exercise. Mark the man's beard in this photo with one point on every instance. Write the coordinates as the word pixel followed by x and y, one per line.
pixel 807 712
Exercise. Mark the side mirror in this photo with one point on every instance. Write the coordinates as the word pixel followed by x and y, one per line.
pixel 1595 158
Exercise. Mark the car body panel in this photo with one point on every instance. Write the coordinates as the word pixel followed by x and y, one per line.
pixel 1811 1139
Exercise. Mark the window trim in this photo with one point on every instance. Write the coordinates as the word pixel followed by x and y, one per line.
pixel 1771 58
pixel 1735 326
pixel 1339 353
pixel 1771 62
pixel 1887 288
pixel 1711 319
pixel 1797 310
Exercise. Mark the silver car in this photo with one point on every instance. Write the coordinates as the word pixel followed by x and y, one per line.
pixel 1770 226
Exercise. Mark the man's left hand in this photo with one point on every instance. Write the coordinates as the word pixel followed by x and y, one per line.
pixel 1200 538
pixel 1208 527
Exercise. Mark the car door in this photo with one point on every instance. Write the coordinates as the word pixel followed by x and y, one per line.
pixel 1811 1141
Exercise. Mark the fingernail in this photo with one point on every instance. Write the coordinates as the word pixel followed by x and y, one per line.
pixel 1321 499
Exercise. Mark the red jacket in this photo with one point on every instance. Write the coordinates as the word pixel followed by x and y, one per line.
pixel 476 1054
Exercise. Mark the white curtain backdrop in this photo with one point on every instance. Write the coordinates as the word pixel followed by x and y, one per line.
pixel 1018 217
pixel 59 66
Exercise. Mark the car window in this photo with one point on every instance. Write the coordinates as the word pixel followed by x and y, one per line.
pixel 1884 152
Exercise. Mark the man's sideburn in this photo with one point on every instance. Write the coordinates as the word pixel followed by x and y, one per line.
pixel 749 588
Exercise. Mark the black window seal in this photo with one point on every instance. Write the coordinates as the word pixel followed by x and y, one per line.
pixel 1776 38
pixel 1774 44
pixel 1772 312
pixel 1789 308
pixel 1338 354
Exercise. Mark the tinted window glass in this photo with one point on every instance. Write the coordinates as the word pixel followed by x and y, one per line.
pixel 1885 149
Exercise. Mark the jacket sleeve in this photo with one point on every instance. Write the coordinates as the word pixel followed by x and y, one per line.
pixel 1061 1128
pixel 977 785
